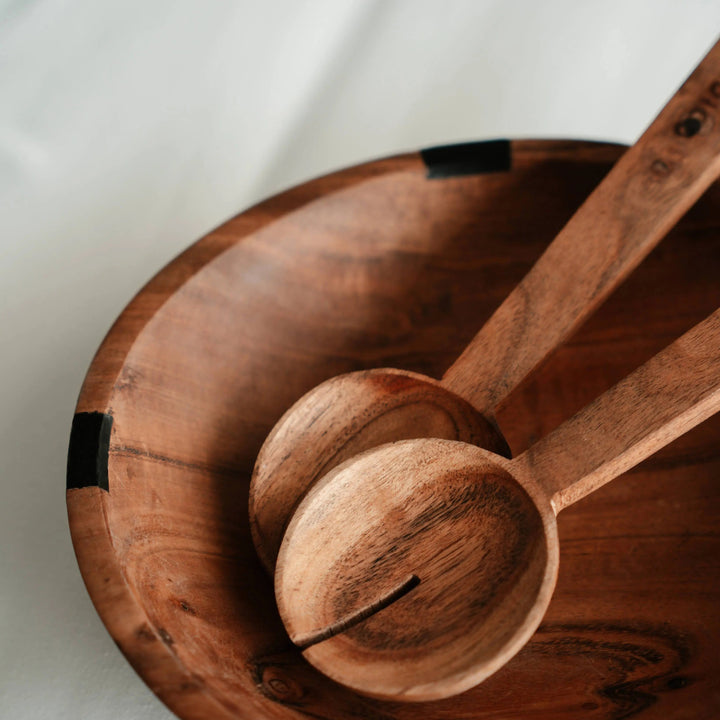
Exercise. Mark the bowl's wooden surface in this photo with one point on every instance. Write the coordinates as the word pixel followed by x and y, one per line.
pixel 380 266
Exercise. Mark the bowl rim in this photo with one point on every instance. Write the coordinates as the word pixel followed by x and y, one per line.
pixel 88 456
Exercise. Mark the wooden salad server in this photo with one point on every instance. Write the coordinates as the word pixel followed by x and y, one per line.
pixel 640 199
pixel 418 568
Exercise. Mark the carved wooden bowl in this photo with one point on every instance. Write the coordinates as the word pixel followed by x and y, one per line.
pixel 393 263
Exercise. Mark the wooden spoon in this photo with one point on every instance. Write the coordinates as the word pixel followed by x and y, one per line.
pixel 641 198
pixel 417 569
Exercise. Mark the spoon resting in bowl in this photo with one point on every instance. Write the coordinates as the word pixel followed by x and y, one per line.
pixel 417 569
pixel 640 199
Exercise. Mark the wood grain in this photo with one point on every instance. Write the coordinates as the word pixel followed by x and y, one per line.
pixel 314 435
pixel 440 511
pixel 473 531
pixel 378 266
pixel 644 194
pixel 642 197
pixel 669 395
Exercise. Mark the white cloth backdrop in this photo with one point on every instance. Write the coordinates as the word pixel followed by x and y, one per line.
pixel 129 129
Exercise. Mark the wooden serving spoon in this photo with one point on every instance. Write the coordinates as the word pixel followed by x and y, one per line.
pixel 417 569
pixel 641 198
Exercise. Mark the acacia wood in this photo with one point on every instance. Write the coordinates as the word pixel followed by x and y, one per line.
pixel 626 215
pixel 474 532
pixel 379 266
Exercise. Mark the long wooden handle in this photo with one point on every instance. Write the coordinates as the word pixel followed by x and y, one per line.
pixel 664 398
pixel 640 199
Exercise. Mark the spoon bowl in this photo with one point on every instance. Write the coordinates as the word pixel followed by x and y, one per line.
pixel 386 405
pixel 432 514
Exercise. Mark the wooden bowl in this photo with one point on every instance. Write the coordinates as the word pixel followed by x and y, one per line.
pixel 392 263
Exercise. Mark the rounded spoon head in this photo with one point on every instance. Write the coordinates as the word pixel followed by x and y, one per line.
pixel 416 569
pixel 340 418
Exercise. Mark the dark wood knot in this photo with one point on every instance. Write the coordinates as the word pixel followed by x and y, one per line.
pixel 691 124
pixel 279 686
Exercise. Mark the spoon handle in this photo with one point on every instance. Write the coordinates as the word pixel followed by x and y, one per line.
pixel 642 197
pixel 664 398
